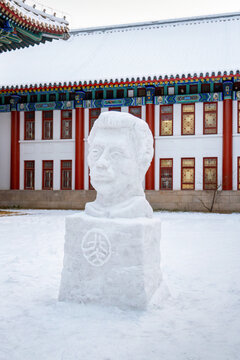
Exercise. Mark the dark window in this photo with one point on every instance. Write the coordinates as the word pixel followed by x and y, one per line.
pixel 99 95
pixel 7 100
pixel 47 177
pixel 71 96
pixel 159 91
pixel 33 98
pixel 88 95
pixel 43 98
pixel 205 88
pixel 109 94
pixel 1 100
pixel 66 174
pixel 62 97
pixel 52 97
pixel 141 92
pixel 181 89
pixel 66 128
pixel 23 99
pixel 120 93
pixel 166 174
pixel 218 87
pixel 47 125
pixel 236 86
pixel 29 167
pixel 29 122
pixel 193 89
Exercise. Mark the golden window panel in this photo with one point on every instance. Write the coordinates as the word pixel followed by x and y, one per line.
pixel 210 175
pixel 239 120
pixel 166 163
pixel 188 162
pixel 188 124
pixel 188 108
pixel 239 105
pixel 166 120
pixel 239 161
pixel 188 175
pixel 210 162
pixel 187 186
pixel 210 119
pixel 166 127
pixel 210 107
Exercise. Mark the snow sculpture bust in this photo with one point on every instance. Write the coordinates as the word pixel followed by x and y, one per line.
pixel 120 152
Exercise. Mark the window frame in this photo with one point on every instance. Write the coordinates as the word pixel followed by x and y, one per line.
pixel 160 114
pixel 210 112
pixel 25 174
pixel 207 167
pixel 62 120
pixel 62 169
pixel 160 173
pixel 43 173
pixel 92 117
pixel 25 125
pixel 188 167
pixel 238 117
pixel 190 112
pixel 135 107
pixel 117 108
pixel 43 123
pixel 238 172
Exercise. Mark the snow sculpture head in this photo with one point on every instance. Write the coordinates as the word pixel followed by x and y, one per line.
pixel 120 152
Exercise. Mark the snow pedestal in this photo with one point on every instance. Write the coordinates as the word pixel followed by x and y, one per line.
pixel 111 261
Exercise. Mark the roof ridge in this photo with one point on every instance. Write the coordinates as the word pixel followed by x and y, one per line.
pixel 166 22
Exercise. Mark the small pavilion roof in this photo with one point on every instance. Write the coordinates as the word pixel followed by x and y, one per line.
pixel 179 48
pixel 22 25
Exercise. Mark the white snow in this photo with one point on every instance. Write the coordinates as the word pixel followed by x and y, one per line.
pixel 200 321
pixel 177 48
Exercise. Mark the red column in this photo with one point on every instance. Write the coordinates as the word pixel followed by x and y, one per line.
pixel 15 150
pixel 150 118
pixel 227 145
pixel 79 150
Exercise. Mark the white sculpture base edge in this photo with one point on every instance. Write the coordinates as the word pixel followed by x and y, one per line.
pixel 111 261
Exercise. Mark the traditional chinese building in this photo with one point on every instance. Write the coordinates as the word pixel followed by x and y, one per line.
pixel 180 76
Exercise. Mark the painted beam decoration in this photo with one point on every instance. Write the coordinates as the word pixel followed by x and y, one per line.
pixel 181 99
pixel 58 105
pixel 20 25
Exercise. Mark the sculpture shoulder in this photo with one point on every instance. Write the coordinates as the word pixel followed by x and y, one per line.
pixel 136 206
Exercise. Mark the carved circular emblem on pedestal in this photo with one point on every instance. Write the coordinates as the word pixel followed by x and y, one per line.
pixel 96 247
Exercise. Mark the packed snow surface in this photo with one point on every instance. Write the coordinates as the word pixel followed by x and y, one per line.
pixel 183 47
pixel 200 320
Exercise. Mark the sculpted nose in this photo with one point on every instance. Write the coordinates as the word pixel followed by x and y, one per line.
pixel 102 161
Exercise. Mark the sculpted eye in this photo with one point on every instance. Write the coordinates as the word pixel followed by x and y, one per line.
pixel 95 153
pixel 115 155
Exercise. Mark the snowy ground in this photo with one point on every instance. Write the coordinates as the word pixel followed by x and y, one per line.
pixel 200 321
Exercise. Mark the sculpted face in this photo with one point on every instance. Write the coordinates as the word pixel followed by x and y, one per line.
pixel 112 161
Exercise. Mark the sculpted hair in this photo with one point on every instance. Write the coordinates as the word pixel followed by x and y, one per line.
pixel 139 132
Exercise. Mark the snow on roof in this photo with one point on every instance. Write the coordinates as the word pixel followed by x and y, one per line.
pixel 195 45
